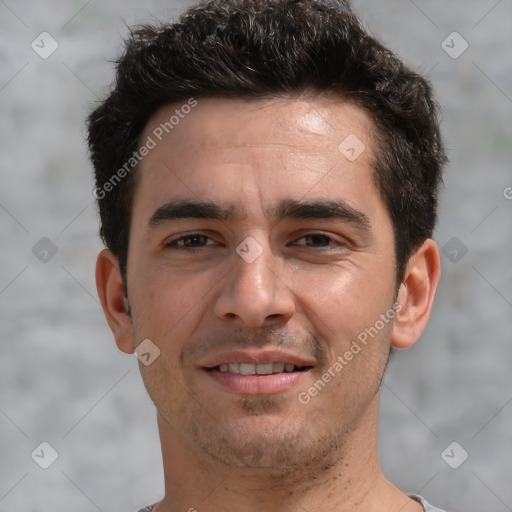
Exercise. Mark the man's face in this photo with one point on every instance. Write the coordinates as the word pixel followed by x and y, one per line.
pixel 264 283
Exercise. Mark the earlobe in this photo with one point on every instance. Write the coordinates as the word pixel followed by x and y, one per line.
pixel 115 305
pixel 416 295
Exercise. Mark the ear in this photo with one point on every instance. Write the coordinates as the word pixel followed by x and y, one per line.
pixel 115 305
pixel 416 295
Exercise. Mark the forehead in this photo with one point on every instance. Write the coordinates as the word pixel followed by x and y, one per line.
pixel 212 123
pixel 273 148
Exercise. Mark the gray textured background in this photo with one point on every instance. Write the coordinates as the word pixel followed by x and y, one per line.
pixel 62 379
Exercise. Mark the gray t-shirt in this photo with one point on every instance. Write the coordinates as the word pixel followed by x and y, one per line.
pixel 426 506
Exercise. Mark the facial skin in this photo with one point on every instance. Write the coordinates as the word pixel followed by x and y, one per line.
pixel 317 284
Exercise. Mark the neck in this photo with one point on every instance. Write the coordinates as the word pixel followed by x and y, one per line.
pixel 350 479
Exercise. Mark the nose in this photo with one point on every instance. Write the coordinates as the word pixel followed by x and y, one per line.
pixel 254 292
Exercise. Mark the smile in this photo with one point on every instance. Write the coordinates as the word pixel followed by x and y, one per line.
pixel 258 369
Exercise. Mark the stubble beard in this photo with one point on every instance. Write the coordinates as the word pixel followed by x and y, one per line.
pixel 261 438
pixel 283 447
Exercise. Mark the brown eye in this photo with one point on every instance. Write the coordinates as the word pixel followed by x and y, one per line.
pixel 316 240
pixel 193 240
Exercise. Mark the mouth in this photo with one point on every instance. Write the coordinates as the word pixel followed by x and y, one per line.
pixel 257 373
pixel 258 369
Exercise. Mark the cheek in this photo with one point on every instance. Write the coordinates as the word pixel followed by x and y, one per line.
pixel 166 311
pixel 166 305
pixel 342 302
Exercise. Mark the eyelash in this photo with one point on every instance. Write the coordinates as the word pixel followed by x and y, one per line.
pixel 174 243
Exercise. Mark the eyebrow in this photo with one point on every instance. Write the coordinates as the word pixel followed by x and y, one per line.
pixel 286 209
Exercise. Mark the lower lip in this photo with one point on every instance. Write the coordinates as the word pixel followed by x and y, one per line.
pixel 256 384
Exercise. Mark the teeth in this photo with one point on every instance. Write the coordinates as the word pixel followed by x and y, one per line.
pixel 247 369
pixel 264 369
pixel 259 369
pixel 278 367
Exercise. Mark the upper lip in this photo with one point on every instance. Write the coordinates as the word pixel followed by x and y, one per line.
pixel 256 356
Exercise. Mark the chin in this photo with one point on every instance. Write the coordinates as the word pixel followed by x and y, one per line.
pixel 279 443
